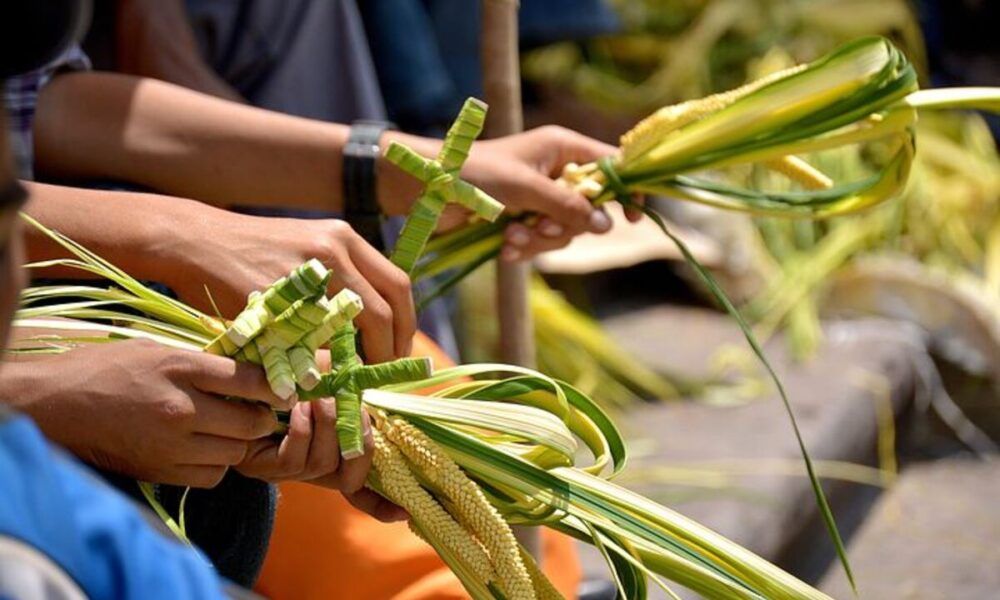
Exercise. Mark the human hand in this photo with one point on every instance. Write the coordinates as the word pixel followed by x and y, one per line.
pixel 232 255
pixel 146 410
pixel 309 452
pixel 521 170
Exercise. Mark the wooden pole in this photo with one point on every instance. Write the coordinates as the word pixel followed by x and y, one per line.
pixel 502 91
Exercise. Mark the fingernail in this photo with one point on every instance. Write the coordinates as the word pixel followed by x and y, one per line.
pixel 510 254
pixel 600 221
pixel 552 229
pixel 519 237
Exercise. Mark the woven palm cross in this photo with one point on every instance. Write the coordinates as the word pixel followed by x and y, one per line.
pixel 441 184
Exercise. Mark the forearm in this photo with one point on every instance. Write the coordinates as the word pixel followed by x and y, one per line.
pixel 183 143
pixel 145 235
pixel 154 39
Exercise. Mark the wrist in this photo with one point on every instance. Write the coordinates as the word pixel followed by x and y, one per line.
pixel 362 210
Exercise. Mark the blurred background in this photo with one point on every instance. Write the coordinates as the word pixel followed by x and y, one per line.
pixel 886 324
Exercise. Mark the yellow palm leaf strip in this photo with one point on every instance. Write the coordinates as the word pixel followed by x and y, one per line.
pixel 402 487
pixel 651 130
pixel 801 172
pixel 468 503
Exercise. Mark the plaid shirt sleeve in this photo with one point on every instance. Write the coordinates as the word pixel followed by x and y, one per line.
pixel 20 96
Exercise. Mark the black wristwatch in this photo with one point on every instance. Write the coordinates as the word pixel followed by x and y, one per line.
pixel 361 208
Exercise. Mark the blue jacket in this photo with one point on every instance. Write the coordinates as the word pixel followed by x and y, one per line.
pixel 56 506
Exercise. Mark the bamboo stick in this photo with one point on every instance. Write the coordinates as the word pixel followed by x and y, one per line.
pixel 502 91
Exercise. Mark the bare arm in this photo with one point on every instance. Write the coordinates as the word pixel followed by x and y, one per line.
pixel 190 247
pixel 183 143
pixel 129 229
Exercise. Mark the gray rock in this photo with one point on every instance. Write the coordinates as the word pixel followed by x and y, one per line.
pixel 833 395
pixel 932 537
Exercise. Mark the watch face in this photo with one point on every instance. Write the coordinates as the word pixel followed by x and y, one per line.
pixel 362 149
pixel 34 32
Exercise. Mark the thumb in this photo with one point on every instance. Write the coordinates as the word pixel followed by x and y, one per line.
pixel 560 203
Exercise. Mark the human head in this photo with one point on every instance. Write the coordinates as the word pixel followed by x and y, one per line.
pixel 32 33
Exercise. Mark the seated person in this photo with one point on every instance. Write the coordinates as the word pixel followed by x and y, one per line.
pixel 63 533
pixel 130 394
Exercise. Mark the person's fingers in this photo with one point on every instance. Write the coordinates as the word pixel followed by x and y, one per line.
pixel 453 217
pixel 371 503
pixel 293 451
pixel 323 361
pixel 354 472
pixel 540 194
pixel 324 451
pixel 549 228
pixel 600 222
pixel 511 254
pixel 211 450
pixel 517 235
pixel 196 476
pixel 226 377
pixel 634 214
pixel 260 459
pixel 375 322
pixel 539 244
pixel 275 461
pixel 394 286
pixel 536 245
pixel 522 242
pixel 231 418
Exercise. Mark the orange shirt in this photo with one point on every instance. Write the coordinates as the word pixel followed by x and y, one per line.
pixel 324 548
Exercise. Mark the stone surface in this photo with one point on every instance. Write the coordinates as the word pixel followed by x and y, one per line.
pixel 834 397
pixel 932 537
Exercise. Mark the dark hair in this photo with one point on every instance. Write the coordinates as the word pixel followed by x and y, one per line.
pixel 34 32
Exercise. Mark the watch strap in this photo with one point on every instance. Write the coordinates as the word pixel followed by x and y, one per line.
pixel 361 208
